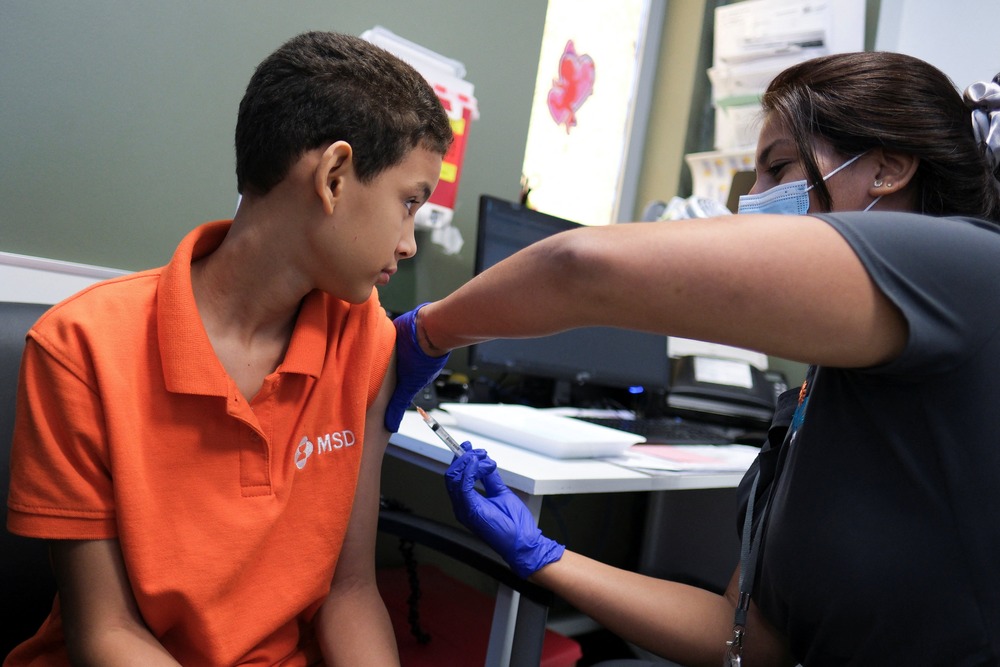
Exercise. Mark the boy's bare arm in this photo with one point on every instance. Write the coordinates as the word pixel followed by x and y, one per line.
pixel 354 602
pixel 101 621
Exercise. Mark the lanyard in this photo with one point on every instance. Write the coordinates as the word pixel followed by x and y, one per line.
pixel 750 544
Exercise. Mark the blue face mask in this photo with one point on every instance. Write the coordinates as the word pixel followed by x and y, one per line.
pixel 787 198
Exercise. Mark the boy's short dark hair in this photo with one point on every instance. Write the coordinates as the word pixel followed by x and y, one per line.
pixel 321 87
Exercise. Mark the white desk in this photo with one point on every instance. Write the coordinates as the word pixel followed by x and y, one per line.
pixel 533 476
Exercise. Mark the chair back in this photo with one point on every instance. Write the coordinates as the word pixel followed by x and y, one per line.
pixel 27 586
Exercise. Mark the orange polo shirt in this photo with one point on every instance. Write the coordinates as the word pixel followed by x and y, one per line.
pixel 230 516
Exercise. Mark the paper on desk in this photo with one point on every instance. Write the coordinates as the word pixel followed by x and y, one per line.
pixel 689 458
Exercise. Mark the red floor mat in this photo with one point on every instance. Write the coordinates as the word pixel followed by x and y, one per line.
pixel 457 617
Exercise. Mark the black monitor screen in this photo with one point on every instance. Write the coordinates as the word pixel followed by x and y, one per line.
pixel 602 356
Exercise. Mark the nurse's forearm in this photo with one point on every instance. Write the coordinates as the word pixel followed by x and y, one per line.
pixel 676 621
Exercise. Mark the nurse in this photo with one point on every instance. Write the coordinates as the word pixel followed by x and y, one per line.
pixel 869 249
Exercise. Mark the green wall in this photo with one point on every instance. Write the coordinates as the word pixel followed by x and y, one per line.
pixel 118 116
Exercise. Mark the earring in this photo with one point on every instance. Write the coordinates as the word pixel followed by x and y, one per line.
pixel 878 182
pixel 888 185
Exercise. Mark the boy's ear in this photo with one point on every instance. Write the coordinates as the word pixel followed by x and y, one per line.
pixel 896 170
pixel 334 162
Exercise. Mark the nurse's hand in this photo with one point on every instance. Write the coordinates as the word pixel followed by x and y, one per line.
pixel 499 517
pixel 414 368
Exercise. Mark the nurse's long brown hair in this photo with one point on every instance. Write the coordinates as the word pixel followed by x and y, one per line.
pixel 858 101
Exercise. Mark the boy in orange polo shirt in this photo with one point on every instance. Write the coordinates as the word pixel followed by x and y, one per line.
pixel 201 443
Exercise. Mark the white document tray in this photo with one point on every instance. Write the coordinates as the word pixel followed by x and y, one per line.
pixel 540 431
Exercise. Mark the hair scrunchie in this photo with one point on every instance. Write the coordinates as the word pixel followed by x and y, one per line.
pixel 983 99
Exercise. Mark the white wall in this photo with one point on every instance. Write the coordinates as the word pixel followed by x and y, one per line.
pixel 959 38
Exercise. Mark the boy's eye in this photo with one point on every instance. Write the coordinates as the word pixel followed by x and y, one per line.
pixel 410 204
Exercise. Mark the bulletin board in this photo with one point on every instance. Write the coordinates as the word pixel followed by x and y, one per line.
pixel 589 111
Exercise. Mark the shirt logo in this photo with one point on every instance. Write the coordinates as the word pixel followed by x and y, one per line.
pixel 303 452
pixel 325 443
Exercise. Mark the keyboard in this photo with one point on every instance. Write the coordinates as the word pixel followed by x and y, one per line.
pixel 668 430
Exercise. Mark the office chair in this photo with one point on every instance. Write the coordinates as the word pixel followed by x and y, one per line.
pixel 529 629
pixel 27 587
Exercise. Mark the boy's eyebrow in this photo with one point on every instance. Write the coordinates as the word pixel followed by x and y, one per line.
pixel 425 187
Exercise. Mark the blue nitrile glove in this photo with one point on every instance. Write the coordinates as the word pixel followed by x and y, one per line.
pixel 499 518
pixel 414 368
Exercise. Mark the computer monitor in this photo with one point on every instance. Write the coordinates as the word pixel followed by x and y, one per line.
pixel 596 356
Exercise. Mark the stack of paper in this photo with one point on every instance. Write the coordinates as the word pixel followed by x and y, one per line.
pixel 755 40
pixel 689 458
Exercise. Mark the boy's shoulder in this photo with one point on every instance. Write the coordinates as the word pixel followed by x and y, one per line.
pixel 101 311
pixel 117 296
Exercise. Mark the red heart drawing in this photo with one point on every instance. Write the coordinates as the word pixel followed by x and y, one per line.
pixel 572 88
